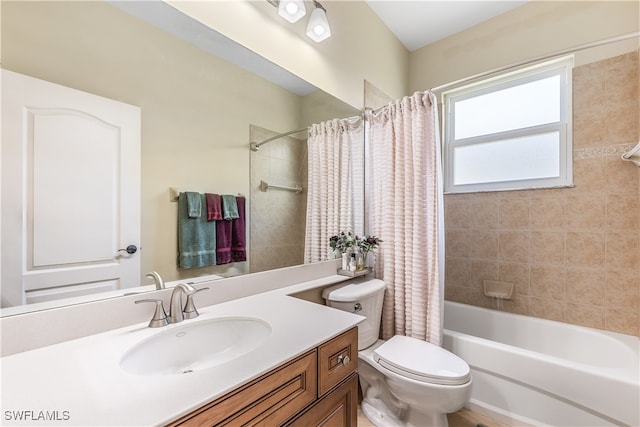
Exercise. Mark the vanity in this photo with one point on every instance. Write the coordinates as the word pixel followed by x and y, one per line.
pixel 317 388
pixel 302 372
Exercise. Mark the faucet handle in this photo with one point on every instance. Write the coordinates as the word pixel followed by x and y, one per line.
pixel 159 318
pixel 190 311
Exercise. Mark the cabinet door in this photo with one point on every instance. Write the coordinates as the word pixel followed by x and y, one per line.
pixel 267 401
pixel 336 409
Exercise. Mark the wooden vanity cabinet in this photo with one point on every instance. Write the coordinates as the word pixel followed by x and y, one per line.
pixel 318 388
pixel 338 408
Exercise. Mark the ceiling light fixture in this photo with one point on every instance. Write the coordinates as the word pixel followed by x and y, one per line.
pixel 291 10
pixel 318 27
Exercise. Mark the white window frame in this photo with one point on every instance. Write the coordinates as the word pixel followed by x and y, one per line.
pixel 561 67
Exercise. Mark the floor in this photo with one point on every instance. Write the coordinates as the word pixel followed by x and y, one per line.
pixel 468 418
pixel 462 418
pixel 362 420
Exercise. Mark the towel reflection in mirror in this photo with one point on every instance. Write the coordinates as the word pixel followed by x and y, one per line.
pixel 217 237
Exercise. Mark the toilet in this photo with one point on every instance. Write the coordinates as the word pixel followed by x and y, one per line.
pixel 404 381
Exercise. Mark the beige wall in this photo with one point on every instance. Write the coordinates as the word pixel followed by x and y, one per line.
pixel 196 109
pixel 573 254
pixel 360 47
pixel 535 29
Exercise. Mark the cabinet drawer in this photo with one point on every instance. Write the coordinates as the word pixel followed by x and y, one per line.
pixel 337 359
pixel 269 400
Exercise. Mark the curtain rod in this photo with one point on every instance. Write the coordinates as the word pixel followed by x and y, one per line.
pixel 255 146
pixel 539 58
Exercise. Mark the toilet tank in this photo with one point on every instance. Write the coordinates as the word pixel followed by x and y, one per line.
pixel 364 298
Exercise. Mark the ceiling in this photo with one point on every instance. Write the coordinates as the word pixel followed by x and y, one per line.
pixel 166 17
pixel 418 23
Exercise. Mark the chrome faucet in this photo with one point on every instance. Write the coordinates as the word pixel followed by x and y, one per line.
pixel 179 311
pixel 176 307
pixel 157 278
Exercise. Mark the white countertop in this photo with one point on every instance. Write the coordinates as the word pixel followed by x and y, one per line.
pixel 81 383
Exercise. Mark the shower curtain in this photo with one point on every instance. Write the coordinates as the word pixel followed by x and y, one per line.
pixel 406 212
pixel 334 195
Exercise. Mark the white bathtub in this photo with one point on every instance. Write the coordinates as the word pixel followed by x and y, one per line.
pixel 530 371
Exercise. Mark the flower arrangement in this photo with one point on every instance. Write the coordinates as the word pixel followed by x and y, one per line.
pixel 368 243
pixel 342 242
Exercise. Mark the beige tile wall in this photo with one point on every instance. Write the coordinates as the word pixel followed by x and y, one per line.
pixel 573 254
pixel 277 223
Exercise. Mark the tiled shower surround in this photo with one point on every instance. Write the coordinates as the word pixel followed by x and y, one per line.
pixel 573 254
pixel 277 216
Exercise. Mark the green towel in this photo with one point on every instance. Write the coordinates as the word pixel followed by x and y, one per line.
pixel 229 207
pixel 194 204
pixel 196 237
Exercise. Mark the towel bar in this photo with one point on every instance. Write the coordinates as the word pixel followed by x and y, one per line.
pixel 174 192
pixel 264 186
pixel 633 155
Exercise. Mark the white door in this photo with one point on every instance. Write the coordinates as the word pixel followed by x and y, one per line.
pixel 70 170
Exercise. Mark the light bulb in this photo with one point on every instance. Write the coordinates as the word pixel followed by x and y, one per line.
pixel 318 28
pixel 291 10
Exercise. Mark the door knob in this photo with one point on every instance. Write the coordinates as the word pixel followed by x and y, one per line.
pixel 131 249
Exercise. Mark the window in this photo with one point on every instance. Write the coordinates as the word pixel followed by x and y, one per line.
pixel 510 132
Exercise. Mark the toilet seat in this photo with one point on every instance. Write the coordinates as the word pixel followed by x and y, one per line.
pixel 421 361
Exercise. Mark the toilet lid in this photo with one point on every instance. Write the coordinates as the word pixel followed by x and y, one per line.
pixel 353 292
pixel 421 361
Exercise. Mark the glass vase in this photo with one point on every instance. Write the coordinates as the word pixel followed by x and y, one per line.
pixel 361 260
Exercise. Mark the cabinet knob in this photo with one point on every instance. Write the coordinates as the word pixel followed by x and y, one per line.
pixel 344 360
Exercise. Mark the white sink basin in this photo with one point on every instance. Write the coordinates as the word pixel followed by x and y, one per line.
pixel 196 346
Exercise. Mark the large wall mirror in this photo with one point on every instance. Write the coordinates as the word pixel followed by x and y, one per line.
pixel 199 113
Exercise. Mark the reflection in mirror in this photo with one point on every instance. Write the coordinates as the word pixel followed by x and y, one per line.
pixel 198 115
pixel 278 212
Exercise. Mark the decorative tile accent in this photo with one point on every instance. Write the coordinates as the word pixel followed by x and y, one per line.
pixel 608 150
